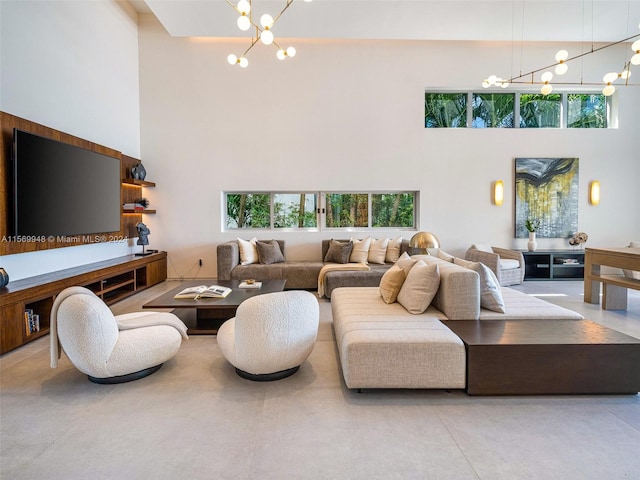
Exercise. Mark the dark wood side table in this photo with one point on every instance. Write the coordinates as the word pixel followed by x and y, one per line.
pixel 532 357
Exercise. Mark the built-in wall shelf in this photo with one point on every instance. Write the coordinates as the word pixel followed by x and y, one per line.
pixel 112 280
pixel 138 183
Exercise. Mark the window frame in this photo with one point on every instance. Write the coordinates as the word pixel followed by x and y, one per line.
pixel 610 103
pixel 321 199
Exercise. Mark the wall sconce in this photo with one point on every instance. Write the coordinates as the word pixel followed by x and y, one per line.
pixel 594 193
pixel 498 192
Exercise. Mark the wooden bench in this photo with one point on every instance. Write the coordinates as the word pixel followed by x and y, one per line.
pixel 614 290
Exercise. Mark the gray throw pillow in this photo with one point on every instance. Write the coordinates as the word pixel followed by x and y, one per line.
pixel 269 252
pixel 339 252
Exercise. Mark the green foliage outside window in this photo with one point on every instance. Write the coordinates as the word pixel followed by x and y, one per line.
pixel 540 111
pixel 445 110
pixel 347 210
pixel 493 110
pixel 586 110
pixel 248 210
pixel 393 210
pixel 294 210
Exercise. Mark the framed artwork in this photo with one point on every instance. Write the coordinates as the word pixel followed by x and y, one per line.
pixel 547 192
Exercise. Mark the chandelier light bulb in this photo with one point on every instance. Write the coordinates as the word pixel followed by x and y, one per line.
pixel 562 55
pixel 635 60
pixel 610 77
pixel 266 37
pixel 291 51
pixel 546 77
pixel 492 79
pixel 232 59
pixel 608 90
pixel 281 54
pixel 561 68
pixel 266 21
pixel 244 23
pixel 243 62
pixel 243 7
pixel 505 84
pixel 625 74
pixel 635 46
pixel 486 84
pixel 546 89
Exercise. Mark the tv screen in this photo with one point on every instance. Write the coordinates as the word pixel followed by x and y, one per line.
pixel 63 190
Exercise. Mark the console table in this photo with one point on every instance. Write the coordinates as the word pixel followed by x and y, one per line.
pixel 111 280
pixel 538 356
pixel 614 287
pixel 554 265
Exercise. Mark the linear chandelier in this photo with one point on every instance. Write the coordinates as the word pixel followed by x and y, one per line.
pixel 262 32
pixel 560 68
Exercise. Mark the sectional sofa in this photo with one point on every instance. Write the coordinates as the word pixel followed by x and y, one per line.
pixel 383 345
pixel 298 274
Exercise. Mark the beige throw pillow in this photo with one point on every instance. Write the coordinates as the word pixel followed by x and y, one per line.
pixel 442 255
pixel 378 250
pixel 419 288
pixel 360 250
pixel 406 262
pixel 391 283
pixel 490 292
pixel 393 250
pixel 248 251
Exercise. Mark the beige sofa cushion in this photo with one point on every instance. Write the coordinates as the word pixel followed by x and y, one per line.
pixel 393 250
pixel 248 251
pixel 419 288
pixel 378 250
pixel 360 250
pixel 391 283
pixel 490 294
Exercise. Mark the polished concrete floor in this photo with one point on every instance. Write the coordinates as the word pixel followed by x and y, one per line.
pixel 195 419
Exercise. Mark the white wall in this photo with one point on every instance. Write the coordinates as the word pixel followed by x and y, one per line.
pixel 349 115
pixel 72 66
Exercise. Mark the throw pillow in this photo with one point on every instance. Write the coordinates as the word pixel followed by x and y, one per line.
pixel 490 293
pixel 406 262
pixel 391 283
pixel 339 252
pixel 393 250
pixel 442 255
pixel 360 250
pixel 483 247
pixel 378 250
pixel 248 251
pixel 419 288
pixel 269 252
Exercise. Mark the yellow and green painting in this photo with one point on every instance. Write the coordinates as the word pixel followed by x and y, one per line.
pixel 547 193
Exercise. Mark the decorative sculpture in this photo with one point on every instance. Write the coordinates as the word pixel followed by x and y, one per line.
pixel 143 237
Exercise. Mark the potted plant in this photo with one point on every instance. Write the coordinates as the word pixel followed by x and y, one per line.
pixel 532 226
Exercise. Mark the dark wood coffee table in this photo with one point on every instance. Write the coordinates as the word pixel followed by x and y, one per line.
pixel 531 357
pixel 205 315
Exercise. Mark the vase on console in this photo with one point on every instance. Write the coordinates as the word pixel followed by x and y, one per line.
pixel 532 244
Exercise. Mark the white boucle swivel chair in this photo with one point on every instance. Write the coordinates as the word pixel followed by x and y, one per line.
pixel 271 334
pixel 108 348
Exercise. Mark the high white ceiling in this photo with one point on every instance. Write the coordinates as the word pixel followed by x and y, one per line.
pixel 470 20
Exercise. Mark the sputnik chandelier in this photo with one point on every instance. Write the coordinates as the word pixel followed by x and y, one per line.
pixel 560 68
pixel 262 32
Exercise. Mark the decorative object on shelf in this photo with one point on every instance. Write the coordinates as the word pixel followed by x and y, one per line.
pixel 143 238
pixel 143 202
pixel 578 239
pixel 594 193
pixel 138 172
pixel 421 242
pixel 262 32
pixel 532 226
pixel 4 278
pixel 547 189
pixel 560 68
pixel 498 192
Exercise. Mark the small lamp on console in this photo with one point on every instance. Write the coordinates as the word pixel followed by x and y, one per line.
pixel 421 242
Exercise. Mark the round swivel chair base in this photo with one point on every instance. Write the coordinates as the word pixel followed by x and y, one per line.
pixel 267 377
pixel 130 377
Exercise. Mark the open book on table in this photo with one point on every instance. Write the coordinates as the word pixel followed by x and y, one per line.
pixel 203 291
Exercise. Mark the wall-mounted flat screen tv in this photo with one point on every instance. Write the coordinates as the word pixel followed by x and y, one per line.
pixel 63 190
